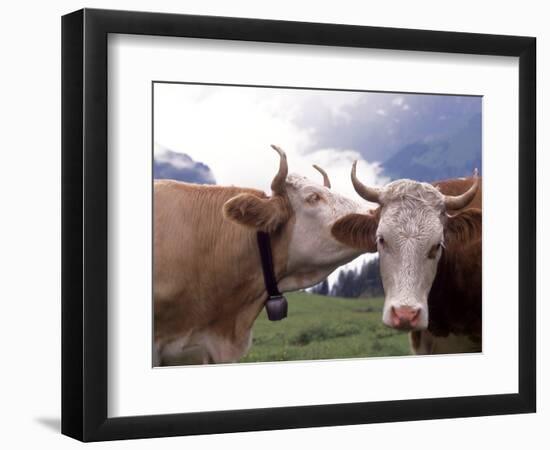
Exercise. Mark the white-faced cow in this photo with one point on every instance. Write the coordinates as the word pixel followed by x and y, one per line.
pixel 428 237
pixel 208 282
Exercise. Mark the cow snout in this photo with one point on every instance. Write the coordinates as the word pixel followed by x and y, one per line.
pixel 405 317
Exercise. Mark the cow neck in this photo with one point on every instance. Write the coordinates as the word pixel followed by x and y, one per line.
pixel 276 305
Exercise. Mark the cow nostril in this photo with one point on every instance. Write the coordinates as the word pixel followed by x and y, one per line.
pixel 395 318
pixel 405 316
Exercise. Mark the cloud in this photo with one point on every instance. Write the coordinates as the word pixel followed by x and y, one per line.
pixel 398 101
pixel 362 124
pixel 230 130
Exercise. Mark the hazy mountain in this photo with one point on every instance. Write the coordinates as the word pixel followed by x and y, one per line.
pixel 378 125
pixel 181 167
pixel 429 160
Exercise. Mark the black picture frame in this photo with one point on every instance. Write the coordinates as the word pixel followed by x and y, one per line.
pixel 84 224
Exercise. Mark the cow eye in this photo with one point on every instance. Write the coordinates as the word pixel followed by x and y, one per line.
pixel 433 251
pixel 313 198
pixel 380 240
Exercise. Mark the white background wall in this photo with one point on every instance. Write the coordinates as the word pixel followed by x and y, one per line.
pixel 30 221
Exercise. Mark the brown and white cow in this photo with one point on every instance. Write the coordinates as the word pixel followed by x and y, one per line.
pixel 208 282
pixel 428 237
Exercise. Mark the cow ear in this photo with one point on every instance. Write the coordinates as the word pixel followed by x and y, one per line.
pixel 262 214
pixel 357 231
pixel 463 228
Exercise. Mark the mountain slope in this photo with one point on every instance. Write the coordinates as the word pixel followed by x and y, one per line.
pixel 181 167
pixel 455 156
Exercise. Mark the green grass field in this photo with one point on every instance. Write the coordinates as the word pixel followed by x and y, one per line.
pixel 319 327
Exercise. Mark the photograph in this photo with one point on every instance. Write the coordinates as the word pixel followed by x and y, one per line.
pixel 299 224
pixel 312 222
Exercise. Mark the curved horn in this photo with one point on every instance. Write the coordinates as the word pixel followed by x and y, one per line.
pixel 368 193
pixel 460 201
pixel 326 181
pixel 278 183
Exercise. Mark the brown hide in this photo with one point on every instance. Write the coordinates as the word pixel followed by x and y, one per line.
pixel 454 301
pixel 260 213
pixel 207 272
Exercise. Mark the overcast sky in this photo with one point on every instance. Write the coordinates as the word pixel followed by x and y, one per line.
pixel 230 129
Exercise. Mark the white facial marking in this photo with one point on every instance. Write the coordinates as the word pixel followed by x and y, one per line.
pixel 410 239
pixel 313 251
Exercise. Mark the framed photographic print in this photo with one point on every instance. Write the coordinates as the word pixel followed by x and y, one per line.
pixel 272 224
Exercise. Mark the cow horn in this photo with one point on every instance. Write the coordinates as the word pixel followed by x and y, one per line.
pixel 368 193
pixel 278 183
pixel 460 201
pixel 326 181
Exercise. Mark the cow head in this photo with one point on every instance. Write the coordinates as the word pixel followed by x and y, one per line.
pixel 304 211
pixel 410 230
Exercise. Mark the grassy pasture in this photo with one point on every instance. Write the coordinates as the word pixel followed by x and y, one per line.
pixel 319 327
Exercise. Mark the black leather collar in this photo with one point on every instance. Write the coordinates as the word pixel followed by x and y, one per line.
pixel 276 304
